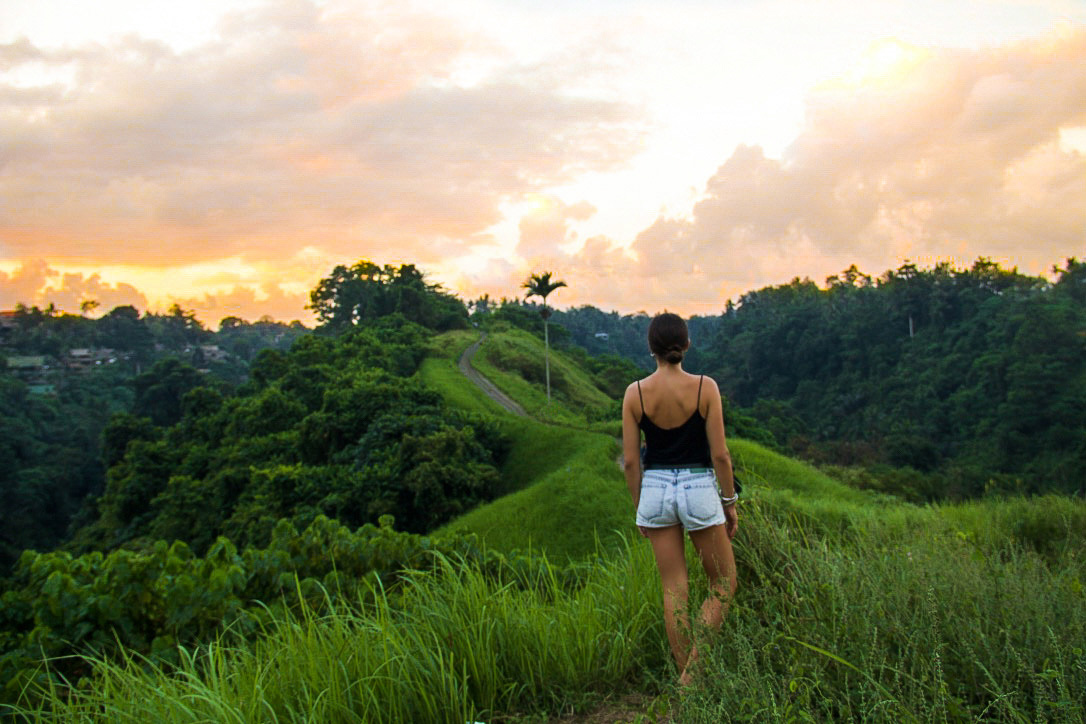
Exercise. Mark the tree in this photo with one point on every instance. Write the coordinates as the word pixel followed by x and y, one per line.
pixel 121 328
pixel 160 389
pixel 540 285
pixel 364 292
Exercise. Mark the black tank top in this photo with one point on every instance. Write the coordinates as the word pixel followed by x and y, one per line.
pixel 684 446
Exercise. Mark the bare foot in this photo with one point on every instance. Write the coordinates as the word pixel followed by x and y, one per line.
pixel 686 678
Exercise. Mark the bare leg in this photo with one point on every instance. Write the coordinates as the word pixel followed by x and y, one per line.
pixel 715 551
pixel 668 547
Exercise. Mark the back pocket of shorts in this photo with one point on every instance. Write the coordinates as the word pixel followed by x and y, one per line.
pixel 702 501
pixel 651 505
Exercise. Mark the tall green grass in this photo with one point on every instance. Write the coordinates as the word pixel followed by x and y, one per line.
pixel 877 623
pixel 889 624
pixel 453 645
pixel 1052 525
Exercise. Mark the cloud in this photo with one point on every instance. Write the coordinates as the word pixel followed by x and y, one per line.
pixel 545 230
pixel 947 154
pixel 342 127
pixel 376 130
pixel 35 283
pixel 250 303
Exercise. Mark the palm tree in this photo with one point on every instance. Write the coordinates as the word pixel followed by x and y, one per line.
pixel 540 285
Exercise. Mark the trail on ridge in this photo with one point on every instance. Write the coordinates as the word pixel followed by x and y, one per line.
pixel 491 390
pixel 488 387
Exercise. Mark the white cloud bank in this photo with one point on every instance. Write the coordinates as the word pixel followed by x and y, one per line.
pixel 303 136
pixel 944 155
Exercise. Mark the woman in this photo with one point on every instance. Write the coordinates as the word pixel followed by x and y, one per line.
pixel 686 455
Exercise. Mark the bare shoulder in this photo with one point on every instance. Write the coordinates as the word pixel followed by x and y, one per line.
pixel 710 385
pixel 710 395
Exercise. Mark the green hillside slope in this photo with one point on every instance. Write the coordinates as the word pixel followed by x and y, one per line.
pixel 566 490
pixel 513 360
pixel 852 606
pixel 564 487
pixel 564 511
pixel 563 492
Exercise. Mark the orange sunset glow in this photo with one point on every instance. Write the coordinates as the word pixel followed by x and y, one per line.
pixel 225 156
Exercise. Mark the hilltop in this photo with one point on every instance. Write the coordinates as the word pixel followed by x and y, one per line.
pixel 540 599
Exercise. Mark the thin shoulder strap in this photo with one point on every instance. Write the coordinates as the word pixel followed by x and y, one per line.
pixel 642 398
pixel 700 381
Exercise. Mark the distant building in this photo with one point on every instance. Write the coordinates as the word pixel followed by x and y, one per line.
pixel 602 336
pixel 213 353
pixel 81 359
pixel 29 368
pixel 26 362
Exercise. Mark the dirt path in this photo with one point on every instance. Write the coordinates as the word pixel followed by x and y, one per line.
pixel 493 392
pixel 483 383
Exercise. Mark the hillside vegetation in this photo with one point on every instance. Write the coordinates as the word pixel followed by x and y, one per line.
pixel 358 534
pixel 565 493
pixel 880 612
pixel 942 383
pixel 62 377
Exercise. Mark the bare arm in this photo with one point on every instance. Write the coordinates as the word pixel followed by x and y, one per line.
pixel 718 449
pixel 631 443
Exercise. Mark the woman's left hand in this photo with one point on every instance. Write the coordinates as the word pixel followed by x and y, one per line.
pixel 731 520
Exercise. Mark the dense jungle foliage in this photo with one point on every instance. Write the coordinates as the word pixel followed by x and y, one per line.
pixel 64 424
pixel 941 382
pixel 199 467
pixel 52 416
pixel 230 552
pixel 335 426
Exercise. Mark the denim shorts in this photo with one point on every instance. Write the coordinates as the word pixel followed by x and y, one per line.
pixel 678 495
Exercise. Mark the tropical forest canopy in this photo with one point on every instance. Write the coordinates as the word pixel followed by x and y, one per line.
pixel 975 378
pixel 190 482
pixel 229 470
pixel 936 383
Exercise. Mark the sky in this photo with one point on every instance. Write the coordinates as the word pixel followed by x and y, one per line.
pixel 225 155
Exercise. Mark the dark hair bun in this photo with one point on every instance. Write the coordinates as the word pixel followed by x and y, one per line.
pixel 668 337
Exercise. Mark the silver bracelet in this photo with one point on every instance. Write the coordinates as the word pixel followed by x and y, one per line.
pixel 729 501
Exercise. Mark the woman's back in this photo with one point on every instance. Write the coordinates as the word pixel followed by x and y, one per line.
pixel 670 399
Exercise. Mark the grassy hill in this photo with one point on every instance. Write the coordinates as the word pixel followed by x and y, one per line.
pixel 559 473
pixel 852 606
pixel 566 492
pixel 513 360
pixel 858 590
